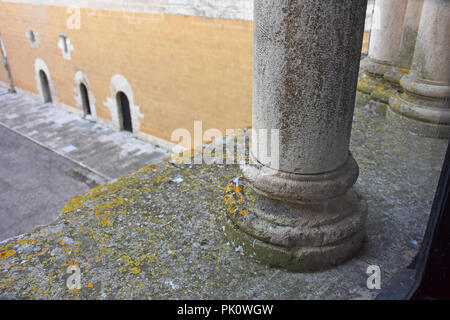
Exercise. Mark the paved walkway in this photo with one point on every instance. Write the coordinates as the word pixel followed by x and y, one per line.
pixel 47 156
pixel 106 152
pixel 35 183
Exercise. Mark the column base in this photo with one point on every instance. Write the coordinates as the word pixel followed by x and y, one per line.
pixel 374 89
pixel 301 188
pixel 297 237
pixel 373 85
pixel 421 109
pixel 393 75
pixel 410 117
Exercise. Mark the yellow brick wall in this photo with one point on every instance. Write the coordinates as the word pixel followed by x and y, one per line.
pixel 180 68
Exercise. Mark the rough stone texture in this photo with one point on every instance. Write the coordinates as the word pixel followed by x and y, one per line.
pixel 228 9
pixel 157 233
pixel 425 101
pixel 302 188
pixel 299 238
pixel 305 73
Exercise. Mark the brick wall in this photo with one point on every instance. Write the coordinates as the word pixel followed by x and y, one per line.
pixel 180 68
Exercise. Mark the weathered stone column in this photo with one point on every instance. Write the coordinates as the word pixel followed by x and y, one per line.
pixel 407 43
pixel 423 107
pixel 384 45
pixel 303 214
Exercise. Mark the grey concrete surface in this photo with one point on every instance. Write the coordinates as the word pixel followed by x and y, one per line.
pixel 35 184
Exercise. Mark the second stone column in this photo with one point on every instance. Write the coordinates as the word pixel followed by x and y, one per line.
pixel 384 46
pixel 424 106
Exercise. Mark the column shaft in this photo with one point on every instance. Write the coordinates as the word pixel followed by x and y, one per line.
pixel 386 31
pixel 405 55
pixel 304 80
pixel 424 104
pixel 409 36
pixel 303 214
pixel 384 46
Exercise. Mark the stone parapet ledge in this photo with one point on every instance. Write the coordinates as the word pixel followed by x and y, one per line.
pixel 158 232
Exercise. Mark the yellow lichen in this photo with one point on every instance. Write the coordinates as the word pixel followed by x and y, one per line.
pixel 135 270
pixel 5 254
pixel 74 204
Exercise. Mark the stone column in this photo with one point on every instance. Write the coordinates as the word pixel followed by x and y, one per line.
pixel 423 107
pixel 302 214
pixel 407 43
pixel 384 45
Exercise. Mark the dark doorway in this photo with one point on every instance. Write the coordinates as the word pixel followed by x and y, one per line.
pixel 85 99
pixel 124 105
pixel 45 87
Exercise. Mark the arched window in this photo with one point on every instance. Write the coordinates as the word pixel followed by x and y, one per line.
pixel 125 114
pixel 45 87
pixel 85 99
pixel 32 36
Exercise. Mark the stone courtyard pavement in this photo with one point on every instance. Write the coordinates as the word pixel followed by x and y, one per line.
pixel 107 152
pixel 47 156
pixel 158 233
